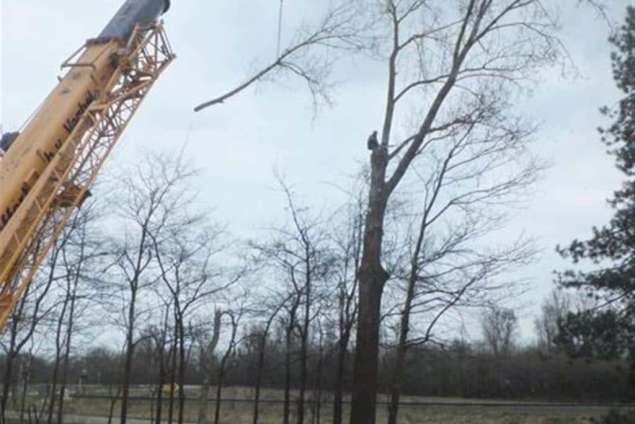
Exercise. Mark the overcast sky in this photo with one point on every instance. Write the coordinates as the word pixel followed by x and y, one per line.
pixel 237 145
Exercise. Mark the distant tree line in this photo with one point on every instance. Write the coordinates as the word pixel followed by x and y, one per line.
pixel 183 304
pixel 458 370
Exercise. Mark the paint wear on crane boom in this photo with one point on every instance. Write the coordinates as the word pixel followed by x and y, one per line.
pixel 131 14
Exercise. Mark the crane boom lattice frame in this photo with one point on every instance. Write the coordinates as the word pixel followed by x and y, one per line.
pixel 61 189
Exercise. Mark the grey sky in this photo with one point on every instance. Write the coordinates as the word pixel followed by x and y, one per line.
pixel 238 144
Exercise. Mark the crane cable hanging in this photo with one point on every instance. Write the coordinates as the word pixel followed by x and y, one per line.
pixel 280 28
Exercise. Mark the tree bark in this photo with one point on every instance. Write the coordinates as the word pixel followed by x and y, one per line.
pixel 125 389
pixel 631 376
pixel 222 368
pixel 67 353
pixel 15 345
pixel 181 370
pixel 305 339
pixel 206 359
pixel 400 356
pixel 261 366
pixel 160 383
pixel 372 279
pixel 11 356
pixel 259 372
pixel 287 374
pixel 56 365
pixel 25 385
pixel 338 398
pixel 173 354
pixel 317 411
pixel 342 354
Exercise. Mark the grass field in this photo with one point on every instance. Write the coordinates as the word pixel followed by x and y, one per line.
pixel 427 415
pixel 435 411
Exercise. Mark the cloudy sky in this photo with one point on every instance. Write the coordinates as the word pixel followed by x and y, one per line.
pixel 237 145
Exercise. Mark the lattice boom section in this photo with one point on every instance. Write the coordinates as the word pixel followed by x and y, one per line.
pixel 64 186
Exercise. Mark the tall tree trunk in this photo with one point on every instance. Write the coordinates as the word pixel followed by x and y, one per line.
pixel 222 368
pixel 160 383
pixel 219 392
pixel 113 402
pixel 304 343
pixel 631 376
pixel 203 400
pixel 9 363
pixel 181 375
pixel 261 363
pixel 6 382
pixel 372 279
pixel 67 353
pixel 56 365
pixel 340 373
pixel 367 353
pixel 127 371
pixel 58 358
pixel 287 374
pixel 317 416
pixel 259 373
pixel 25 385
pixel 173 354
pixel 398 367
pixel 207 356
pixel 404 328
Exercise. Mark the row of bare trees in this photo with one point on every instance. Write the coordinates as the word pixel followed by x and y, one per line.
pixel 499 367
pixel 451 143
pixel 398 264
pixel 392 270
pixel 149 272
pixel 411 250
pixel 136 266
pixel 155 275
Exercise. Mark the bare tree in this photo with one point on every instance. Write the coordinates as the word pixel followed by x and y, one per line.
pixel 458 199
pixel 234 319
pixel 444 61
pixel 289 322
pixel 499 328
pixel 299 254
pixel 184 255
pixel 316 409
pixel 30 313
pixel 347 247
pixel 206 357
pixel 154 194
pixel 486 48
pixel 159 337
pixel 80 253
pixel 554 309
pixel 272 310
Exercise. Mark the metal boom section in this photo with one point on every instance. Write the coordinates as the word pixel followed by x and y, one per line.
pixel 62 187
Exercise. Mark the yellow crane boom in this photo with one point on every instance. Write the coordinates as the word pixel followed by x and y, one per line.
pixel 47 170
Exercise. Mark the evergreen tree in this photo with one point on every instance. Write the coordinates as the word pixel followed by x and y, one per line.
pixel 611 329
